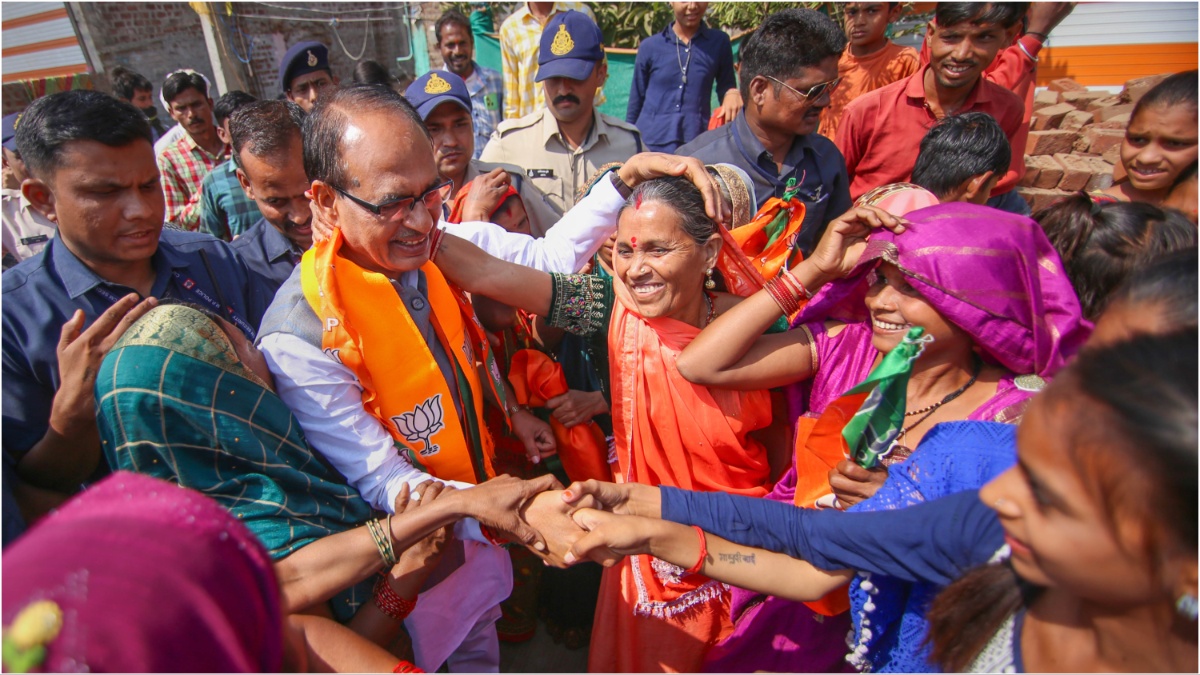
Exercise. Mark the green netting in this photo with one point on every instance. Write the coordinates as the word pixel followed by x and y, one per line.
pixel 620 72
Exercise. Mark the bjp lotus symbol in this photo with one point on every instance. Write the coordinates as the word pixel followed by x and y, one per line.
pixel 422 423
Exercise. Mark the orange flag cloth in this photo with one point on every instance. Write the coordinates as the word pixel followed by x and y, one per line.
pixel 769 240
pixel 535 379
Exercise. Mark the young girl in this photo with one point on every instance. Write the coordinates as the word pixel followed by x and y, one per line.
pixel 1098 515
pixel 1159 150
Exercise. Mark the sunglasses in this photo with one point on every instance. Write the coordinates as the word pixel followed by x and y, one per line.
pixel 395 209
pixel 814 92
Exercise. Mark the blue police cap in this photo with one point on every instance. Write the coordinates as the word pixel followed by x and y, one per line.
pixel 303 58
pixel 10 131
pixel 571 46
pixel 435 88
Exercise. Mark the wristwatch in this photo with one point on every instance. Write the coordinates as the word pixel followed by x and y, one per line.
pixel 622 189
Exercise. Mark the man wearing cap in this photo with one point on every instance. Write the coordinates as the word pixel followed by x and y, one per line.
pixel 443 101
pixel 185 164
pixel 562 145
pixel 304 73
pixel 457 45
pixel 520 37
pixel 25 230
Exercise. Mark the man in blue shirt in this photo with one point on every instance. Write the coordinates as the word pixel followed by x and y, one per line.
pixel 671 97
pixel 270 155
pixel 92 171
pixel 789 66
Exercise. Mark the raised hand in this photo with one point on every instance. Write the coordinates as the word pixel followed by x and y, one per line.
pixel 650 165
pixel 485 195
pixel 845 239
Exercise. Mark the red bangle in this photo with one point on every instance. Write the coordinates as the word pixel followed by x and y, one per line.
pixel 406 667
pixel 694 569
pixel 435 241
pixel 390 603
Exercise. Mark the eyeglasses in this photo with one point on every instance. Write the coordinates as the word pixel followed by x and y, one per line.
pixel 814 92
pixel 431 198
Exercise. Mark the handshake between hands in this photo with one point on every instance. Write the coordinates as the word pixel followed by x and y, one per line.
pixel 590 520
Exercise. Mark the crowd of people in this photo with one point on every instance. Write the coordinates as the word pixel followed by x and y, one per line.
pixel 297 384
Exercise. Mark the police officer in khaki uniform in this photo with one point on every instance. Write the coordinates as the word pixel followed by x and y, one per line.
pixel 444 103
pixel 562 145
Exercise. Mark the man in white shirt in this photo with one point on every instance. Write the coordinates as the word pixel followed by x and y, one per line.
pixel 25 231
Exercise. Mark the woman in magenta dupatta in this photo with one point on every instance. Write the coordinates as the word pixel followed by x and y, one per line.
pixel 993 276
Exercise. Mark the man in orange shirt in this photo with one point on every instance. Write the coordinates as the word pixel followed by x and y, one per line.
pixel 870 60
pixel 881 131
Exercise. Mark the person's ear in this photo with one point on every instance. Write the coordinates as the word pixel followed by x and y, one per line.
pixel 41 197
pixel 223 136
pixel 894 12
pixel 245 182
pixel 602 72
pixel 758 90
pixel 324 199
pixel 978 189
pixel 712 248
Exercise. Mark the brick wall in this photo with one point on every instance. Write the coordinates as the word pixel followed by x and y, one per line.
pixel 156 38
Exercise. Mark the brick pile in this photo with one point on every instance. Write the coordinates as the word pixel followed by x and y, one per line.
pixel 1075 138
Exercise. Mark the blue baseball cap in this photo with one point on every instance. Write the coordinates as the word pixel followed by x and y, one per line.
pixel 10 131
pixel 303 58
pixel 435 88
pixel 571 46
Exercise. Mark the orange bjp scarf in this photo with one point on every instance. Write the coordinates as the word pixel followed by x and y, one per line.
pixel 669 431
pixel 367 328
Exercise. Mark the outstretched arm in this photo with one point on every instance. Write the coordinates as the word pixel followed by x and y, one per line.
pixel 733 353
pixel 611 536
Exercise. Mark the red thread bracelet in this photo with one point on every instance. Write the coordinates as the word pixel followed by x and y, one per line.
pixel 695 569
pixel 390 603
pixel 406 667
pixel 491 536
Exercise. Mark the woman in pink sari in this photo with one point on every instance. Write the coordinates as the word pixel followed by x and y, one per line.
pixel 988 287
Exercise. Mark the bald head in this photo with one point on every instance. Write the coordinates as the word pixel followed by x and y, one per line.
pixel 326 126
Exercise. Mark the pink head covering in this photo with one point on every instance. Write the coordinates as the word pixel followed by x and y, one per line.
pixel 148 577
pixel 993 274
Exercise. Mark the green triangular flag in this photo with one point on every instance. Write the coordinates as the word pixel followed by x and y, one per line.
pixel 875 427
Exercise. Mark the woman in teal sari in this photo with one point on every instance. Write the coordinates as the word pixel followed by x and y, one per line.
pixel 185 398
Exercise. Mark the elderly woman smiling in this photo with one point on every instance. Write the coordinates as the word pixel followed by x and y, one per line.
pixel 667 431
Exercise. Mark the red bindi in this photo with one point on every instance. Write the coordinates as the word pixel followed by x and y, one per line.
pixel 637 203
pixel 633 242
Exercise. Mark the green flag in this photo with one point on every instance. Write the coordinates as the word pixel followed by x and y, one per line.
pixel 875 427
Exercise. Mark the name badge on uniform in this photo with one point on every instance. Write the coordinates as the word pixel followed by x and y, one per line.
pixel 491 102
pixel 540 173
pixel 39 239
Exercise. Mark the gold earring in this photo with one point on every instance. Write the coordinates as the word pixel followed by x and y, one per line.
pixel 709 284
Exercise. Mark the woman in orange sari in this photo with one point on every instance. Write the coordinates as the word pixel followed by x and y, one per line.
pixel 652 616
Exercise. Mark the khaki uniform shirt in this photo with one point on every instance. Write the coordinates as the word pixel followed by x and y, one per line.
pixel 542 213
pixel 534 144
pixel 25 230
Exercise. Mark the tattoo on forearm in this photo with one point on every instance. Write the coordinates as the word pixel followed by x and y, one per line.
pixel 737 557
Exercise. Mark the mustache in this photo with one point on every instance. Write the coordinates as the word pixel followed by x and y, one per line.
pixel 293 225
pixel 566 97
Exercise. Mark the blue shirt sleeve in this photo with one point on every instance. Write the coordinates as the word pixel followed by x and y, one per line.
pixel 212 218
pixel 932 542
pixel 641 78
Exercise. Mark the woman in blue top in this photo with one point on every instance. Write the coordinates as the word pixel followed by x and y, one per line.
pixel 1098 515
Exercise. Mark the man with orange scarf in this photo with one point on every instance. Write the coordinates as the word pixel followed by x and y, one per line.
pixel 371 347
